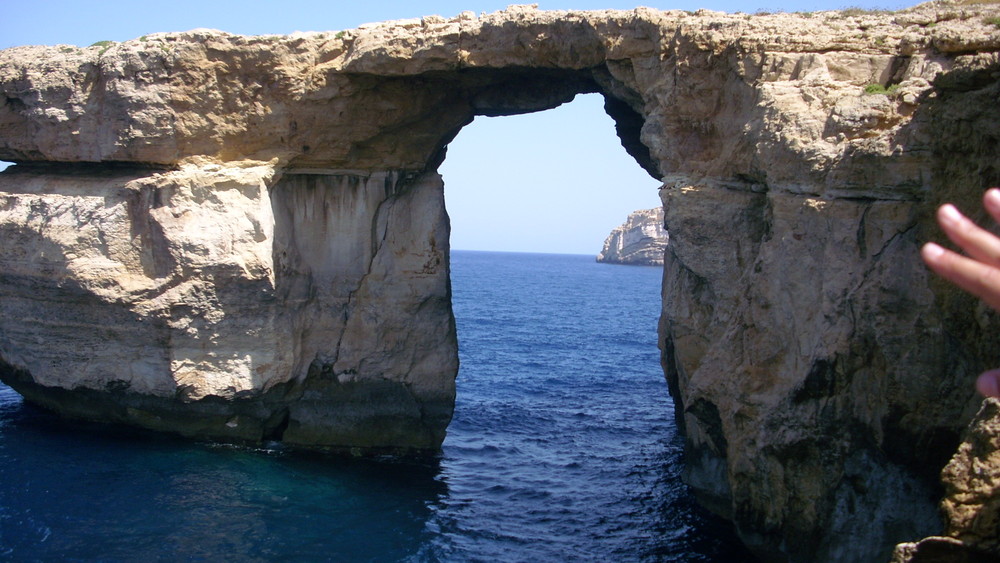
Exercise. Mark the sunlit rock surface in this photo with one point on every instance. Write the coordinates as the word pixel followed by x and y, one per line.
pixel 971 506
pixel 222 301
pixel 244 238
pixel 640 240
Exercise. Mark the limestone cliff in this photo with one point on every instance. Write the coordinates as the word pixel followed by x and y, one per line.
pixel 972 502
pixel 640 240
pixel 244 237
pixel 224 301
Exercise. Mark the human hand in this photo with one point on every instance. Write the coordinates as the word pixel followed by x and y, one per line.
pixel 978 272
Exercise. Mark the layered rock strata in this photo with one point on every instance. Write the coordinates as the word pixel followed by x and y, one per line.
pixel 244 237
pixel 640 240
pixel 223 301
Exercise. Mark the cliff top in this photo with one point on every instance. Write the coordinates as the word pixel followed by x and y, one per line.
pixel 166 97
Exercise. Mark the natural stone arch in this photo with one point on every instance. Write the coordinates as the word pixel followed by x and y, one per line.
pixel 347 253
pixel 162 269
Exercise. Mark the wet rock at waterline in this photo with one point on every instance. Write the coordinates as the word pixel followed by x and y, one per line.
pixel 244 238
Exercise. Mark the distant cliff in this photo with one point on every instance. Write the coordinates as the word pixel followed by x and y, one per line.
pixel 640 240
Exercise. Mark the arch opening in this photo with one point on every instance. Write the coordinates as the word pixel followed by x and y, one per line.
pixel 523 182
pixel 514 92
pixel 562 410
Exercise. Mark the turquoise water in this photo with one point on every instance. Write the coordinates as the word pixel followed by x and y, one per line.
pixel 563 448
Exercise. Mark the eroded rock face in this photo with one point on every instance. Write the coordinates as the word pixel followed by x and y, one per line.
pixel 640 240
pixel 971 506
pixel 244 237
pixel 972 484
pixel 223 301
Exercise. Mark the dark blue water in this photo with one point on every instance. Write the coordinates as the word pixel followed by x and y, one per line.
pixel 563 448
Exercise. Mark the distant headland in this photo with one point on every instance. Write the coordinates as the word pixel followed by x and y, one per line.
pixel 640 240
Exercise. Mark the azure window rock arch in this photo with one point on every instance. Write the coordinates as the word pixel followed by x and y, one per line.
pixel 252 231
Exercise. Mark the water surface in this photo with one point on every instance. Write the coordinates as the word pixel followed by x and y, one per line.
pixel 563 448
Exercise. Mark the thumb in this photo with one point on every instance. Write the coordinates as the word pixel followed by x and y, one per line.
pixel 989 383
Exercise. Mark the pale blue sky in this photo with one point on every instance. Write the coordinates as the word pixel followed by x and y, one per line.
pixel 555 181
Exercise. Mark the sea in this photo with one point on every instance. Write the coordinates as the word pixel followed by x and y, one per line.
pixel 563 447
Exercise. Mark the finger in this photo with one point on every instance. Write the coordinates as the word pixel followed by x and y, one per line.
pixel 975 241
pixel 991 201
pixel 989 383
pixel 977 278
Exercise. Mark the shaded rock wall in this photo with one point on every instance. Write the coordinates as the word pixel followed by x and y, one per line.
pixel 244 237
